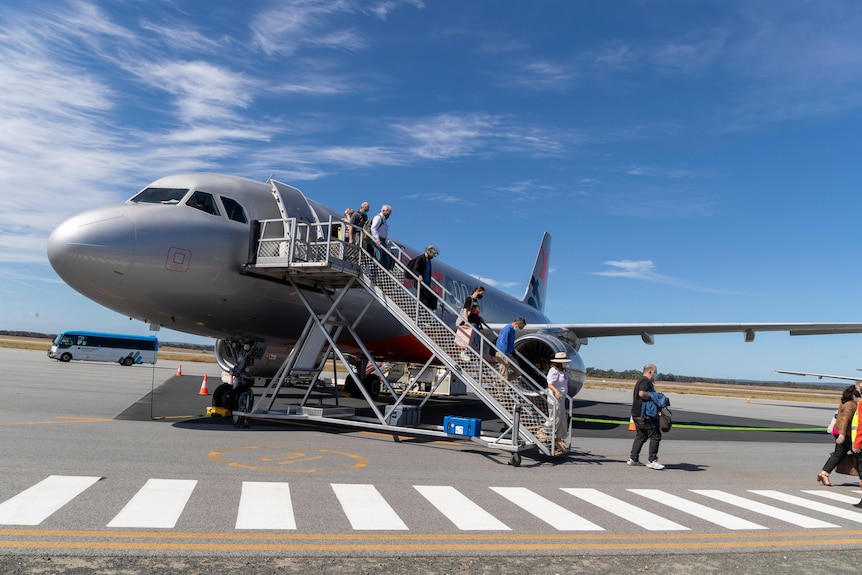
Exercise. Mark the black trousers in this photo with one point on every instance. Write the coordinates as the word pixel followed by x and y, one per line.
pixel 836 456
pixel 644 429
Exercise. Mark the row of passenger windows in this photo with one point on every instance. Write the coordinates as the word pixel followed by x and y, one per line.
pixel 202 201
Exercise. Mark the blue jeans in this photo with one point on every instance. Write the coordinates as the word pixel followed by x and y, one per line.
pixel 381 255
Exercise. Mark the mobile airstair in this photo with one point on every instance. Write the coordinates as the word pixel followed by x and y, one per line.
pixel 309 258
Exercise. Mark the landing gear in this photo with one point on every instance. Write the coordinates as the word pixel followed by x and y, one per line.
pixel 219 393
pixel 371 383
pixel 244 403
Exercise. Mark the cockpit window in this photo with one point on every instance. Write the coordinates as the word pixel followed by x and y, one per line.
pixel 204 202
pixel 160 196
pixel 234 210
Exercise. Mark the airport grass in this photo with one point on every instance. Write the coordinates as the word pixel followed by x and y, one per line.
pixel 751 392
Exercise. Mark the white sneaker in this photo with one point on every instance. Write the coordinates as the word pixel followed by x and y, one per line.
pixel 633 462
pixel 655 465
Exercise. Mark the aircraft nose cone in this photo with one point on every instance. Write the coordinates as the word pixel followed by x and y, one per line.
pixel 92 251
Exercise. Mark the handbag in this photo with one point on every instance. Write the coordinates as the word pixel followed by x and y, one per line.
pixel 463 335
pixel 665 420
pixel 831 427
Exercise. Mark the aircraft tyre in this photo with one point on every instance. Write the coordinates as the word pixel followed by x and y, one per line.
pixel 244 402
pixel 66 357
pixel 218 395
pixel 372 385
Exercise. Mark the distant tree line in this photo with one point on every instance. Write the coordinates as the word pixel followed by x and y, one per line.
pixel 634 374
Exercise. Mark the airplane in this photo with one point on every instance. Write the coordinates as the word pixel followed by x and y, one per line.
pixel 173 255
pixel 820 375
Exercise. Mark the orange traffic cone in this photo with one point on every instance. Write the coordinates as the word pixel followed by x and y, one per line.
pixel 205 390
pixel 631 423
pixel 180 370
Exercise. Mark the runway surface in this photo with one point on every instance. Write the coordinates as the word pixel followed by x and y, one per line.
pixel 106 461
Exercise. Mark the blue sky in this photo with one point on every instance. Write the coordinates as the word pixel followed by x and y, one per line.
pixel 693 161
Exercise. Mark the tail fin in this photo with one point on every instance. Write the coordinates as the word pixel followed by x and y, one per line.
pixel 538 286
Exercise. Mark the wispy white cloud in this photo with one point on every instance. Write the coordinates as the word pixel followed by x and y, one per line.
pixel 645 270
pixel 447 135
pixel 297 23
pixel 671 173
pixel 638 270
pixel 180 36
pixel 496 283
pixel 382 9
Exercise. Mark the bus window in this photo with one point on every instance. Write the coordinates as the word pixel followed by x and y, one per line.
pixel 234 210
pixel 171 196
pixel 204 202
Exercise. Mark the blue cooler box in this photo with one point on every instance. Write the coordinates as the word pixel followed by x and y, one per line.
pixel 467 426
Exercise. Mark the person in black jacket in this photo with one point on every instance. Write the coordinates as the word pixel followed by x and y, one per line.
pixel 645 428
pixel 421 266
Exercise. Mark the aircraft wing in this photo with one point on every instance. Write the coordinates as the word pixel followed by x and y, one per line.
pixel 819 375
pixel 582 332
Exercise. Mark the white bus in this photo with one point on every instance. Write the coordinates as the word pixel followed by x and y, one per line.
pixel 95 346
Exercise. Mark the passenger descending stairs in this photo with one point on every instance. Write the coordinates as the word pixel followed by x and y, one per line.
pixel 522 404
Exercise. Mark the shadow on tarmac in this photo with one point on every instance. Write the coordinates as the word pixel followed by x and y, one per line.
pixel 179 401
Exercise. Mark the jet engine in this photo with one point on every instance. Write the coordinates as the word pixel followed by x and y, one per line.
pixel 263 361
pixel 539 348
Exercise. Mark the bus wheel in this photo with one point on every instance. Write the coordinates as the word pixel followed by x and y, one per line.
pixel 127 361
pixel 66 357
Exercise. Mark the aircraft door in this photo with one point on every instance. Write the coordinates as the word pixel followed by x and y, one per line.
pixel 292 204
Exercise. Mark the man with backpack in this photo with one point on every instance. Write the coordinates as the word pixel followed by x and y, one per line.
pixel 646 428
pixel 357 222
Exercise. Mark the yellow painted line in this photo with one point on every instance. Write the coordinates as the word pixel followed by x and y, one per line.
pixel 395 537
pixel 62 420
pixel 418 542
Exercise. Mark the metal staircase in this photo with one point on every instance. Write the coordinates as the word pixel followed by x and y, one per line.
pixel 309 256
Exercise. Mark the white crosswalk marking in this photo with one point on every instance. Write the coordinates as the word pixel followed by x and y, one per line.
pixel 832 495
pixel 365 507
pixel 157 505
pixel 627 511
pixel 270 506
pixel 554 515
pixel 265 506
pixel 32 506
pixel 465 514
pixel 849 514
pixel 701 511
pixel 763 509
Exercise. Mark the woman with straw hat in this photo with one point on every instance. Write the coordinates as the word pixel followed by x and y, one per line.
pixel 558 387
